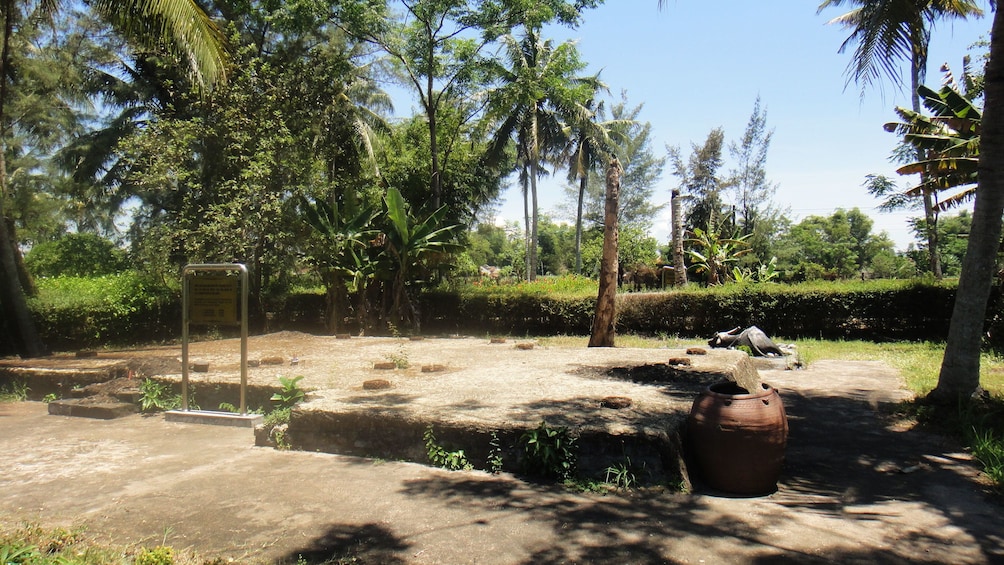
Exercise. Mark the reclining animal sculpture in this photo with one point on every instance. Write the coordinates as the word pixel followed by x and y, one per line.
pixel 752 337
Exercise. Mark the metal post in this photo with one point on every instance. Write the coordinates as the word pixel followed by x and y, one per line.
pixel 184 340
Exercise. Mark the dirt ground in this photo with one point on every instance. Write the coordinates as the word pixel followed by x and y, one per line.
pixel 857 487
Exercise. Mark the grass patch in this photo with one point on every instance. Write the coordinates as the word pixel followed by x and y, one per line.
pixel 31 543
pixel 14 391
pixel 918 362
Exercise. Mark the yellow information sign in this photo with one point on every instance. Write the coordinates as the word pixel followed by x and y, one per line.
pixel 212 300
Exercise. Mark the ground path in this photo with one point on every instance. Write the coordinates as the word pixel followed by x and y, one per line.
pixel 854 489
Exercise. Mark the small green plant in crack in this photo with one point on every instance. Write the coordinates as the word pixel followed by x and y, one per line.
pixel 494 463
pixel 277 424
pixel 400 357
pixel 548 452
pixel 51 397
pixel 441 457
pixel 155 396
pixel 291 392
pixel 621 475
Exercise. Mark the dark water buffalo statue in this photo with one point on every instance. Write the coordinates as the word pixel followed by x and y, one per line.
pixel 641 276
pixel 752 337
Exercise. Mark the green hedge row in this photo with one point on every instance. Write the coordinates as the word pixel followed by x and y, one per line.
pixel 877 312
pixel 120 309
pixel 74 312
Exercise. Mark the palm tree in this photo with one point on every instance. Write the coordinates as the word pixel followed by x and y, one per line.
pixel 592 145
pixel 537 96
pixel 181 25
pixel 960 369
pixel 887 32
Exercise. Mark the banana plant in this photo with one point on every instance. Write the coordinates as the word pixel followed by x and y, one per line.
pixel 412 248
pixel 714 254
pixel 346 232
pixel 949 139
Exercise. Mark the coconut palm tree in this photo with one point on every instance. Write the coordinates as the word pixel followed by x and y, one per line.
pixel 179 25
pixel 886 32
pixel 593 145
pixel 537 95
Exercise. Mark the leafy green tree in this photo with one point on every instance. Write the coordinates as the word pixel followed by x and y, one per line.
pixel 953 234
pixel 410 250
pixel 492 245
pixel 752 194
pixel 467 184
pixel 340 254
pixel 700 181
pixel 642 171
pixel 78 255
pixel 557 247
pixel 839 246
pixel 180 25
pixel 437 47
pixel 948 142
pixel 714 255
pixel 592 147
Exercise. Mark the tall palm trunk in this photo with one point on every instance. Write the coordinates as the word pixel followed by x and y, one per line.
pixel 534 218
pixel 604 329
pixel 526 230
pixel 960 369
pixel 679 267
pixel 583 183
pixel 918 63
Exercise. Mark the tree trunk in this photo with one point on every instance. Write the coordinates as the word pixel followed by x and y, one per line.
pixel 578 225
pixel 679 266
pixel 14 304
pixel 917 65
pixel 526 231
pixel 534 218
pixel 606 309
pixel 931 223
pixel 960 369
pixel 337 307
pixel 28 285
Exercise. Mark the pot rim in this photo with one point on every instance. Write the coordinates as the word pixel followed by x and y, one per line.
pixel 767 391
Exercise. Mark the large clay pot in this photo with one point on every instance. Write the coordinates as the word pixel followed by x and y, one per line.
pixel 738 438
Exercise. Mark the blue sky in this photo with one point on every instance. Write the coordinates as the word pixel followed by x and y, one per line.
pixel 700 65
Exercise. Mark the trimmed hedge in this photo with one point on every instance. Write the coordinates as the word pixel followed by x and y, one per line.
pixel 72 312
pixel 119 309
pixel 877 311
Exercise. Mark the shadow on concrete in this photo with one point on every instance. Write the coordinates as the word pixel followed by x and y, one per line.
pixel 846 463
pixel 347 543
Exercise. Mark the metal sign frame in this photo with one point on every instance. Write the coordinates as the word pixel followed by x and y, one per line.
pixel 185 320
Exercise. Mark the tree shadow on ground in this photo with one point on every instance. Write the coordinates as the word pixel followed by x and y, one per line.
pixel 348 543
pixel 846 467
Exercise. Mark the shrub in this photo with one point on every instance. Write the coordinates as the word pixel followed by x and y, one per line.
pixel 549 452
pixel 76 255
pixel 872 310
pixel 125 307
